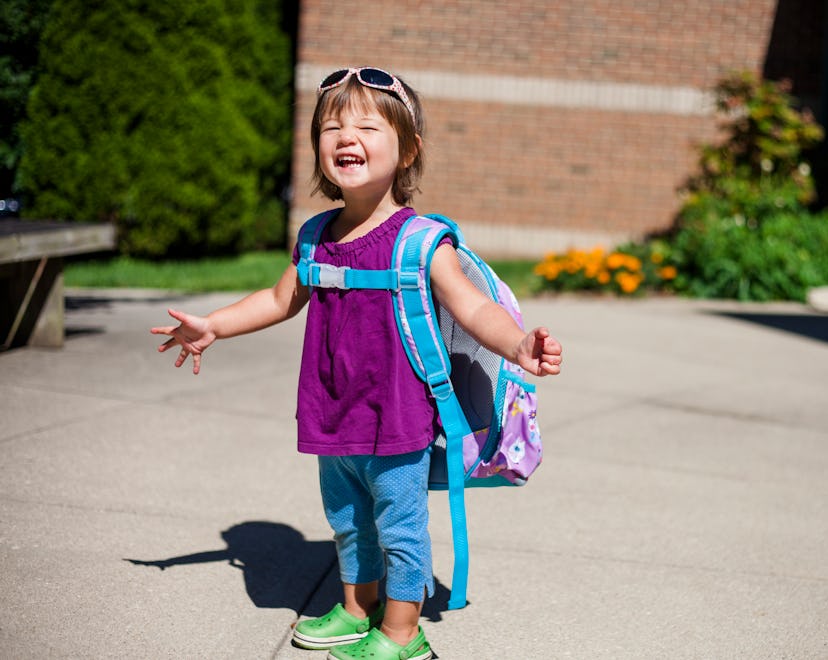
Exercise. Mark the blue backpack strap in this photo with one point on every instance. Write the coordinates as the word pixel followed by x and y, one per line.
pixel 315 274
pixel 309 234
pixel 417 321
pixel 456 429
pixel 414 308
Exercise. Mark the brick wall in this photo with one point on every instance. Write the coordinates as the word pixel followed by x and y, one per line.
pixel 548 124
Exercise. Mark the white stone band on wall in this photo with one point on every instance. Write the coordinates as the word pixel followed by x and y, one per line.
pixel 535 91
pixel 493 241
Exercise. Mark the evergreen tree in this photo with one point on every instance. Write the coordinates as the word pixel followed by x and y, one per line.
pixel 21 22
pixel 168 117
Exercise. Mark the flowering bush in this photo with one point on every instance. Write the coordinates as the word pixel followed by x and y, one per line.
pixel 761 160
pixel 779 258
pixel 629 270
pixel 744 230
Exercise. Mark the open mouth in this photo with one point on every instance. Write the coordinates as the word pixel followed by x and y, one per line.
pixel 349 161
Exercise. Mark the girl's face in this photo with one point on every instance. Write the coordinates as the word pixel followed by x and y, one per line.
pixel 359 152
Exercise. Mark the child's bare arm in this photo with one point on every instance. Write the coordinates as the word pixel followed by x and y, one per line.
pixel 261 309
pixel 536 351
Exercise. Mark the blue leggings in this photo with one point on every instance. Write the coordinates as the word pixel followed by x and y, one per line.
pixel 378 509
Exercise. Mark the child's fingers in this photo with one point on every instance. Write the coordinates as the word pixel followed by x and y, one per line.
pixel 547 351
pixel 553 363
pixel 178 338
pixel 549 365
pixel 164 330
pixel 182 358
pixel 181 317
pixel 550 369
pixel 548 343
pixel 554 359
pixel 172 341
pixel 551 345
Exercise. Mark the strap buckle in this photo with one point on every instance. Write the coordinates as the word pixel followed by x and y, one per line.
pixel 440 386
pixel 409 279
pixel 331 277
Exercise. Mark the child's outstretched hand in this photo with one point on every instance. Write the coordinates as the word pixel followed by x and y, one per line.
pixel 193 334
pixel 539 353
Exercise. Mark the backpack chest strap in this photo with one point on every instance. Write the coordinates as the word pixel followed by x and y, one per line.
pixel 327 276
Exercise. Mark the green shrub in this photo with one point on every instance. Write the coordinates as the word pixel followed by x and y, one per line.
pixel 764 139
pixel 21 23
pixel 776 259
pixel 169 118
pixel 745 230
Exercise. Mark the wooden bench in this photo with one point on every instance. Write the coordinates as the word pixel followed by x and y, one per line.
pixel 31 276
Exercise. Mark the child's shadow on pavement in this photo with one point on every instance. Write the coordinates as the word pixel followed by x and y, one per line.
pixel 282 569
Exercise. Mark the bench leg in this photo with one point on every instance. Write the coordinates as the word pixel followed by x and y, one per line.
pixel 49 330
pixel 32 307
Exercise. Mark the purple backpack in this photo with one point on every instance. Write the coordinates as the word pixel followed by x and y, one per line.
pixel 487 409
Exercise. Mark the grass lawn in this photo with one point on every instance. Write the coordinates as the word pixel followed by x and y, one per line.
pixel 248 272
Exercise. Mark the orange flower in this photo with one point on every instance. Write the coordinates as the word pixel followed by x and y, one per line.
pixel 615 261
pixel 597 253
pixel 667 273
pixel 628 281
pixel 548 269
pixel 633 263
pixel 618 260
pixel 572 266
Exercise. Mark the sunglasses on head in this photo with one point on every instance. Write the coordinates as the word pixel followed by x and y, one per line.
pixel 369 77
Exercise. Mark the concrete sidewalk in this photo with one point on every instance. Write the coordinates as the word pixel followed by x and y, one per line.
pixel 681 511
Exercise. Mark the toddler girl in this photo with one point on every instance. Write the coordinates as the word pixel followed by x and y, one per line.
pixel 361 408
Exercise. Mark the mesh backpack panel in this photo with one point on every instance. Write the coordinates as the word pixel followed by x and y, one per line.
pixel 474 369
pixel 498 404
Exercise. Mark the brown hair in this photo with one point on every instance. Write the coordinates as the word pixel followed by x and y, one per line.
pixel 353 94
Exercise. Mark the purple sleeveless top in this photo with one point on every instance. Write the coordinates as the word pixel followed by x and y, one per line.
pixel 357 391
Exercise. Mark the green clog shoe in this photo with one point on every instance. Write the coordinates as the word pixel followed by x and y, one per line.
pixel 376 646
pixel 337 627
